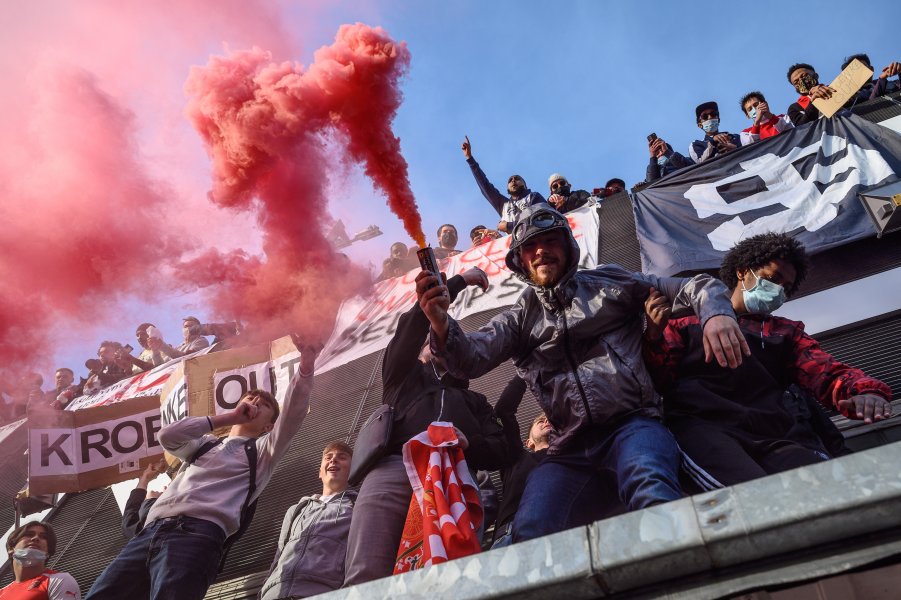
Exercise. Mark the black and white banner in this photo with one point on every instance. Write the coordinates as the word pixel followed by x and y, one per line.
pixel 803 182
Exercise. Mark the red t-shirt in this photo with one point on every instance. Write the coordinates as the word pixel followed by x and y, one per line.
pixel 49 585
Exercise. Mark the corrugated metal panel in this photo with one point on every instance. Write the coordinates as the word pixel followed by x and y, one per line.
pixel 873 346
pixel 617 240
pixel 880 109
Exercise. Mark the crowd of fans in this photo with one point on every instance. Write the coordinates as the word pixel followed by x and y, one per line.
pixel 115 361
pixel 651 388
pixel 560 195
pixel 764 123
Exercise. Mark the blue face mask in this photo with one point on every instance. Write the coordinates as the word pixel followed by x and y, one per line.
pixel 752 114
pixel 711 125
pixel 764 297
pixel 662 160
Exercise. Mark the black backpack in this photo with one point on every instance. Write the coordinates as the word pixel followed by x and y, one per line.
pixel 248 508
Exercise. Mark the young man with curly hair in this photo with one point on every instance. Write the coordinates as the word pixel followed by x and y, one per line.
pixel 731 424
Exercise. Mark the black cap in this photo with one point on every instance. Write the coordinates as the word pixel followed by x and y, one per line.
pixel 702 107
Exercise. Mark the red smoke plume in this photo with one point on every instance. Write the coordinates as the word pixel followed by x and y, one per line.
pixel 89 218
pixel 81 225
pixel 264 126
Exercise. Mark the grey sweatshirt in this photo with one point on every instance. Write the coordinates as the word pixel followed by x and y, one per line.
pixel 311 549
pixel 215 486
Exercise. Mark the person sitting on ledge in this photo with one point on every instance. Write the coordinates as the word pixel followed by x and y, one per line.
pixel 731 424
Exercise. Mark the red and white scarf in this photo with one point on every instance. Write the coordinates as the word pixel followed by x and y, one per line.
pixel 445 512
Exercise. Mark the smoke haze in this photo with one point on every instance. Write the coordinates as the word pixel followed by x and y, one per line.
pixel 103 197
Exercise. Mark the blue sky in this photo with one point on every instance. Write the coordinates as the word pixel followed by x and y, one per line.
pixel 569 87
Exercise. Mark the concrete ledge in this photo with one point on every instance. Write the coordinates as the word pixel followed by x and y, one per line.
pixel 555 566
pixel 738 529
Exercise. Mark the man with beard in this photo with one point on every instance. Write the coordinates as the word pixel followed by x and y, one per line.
pixel 575 337
pixel 447 242
pixel 508 208
pixel 807 83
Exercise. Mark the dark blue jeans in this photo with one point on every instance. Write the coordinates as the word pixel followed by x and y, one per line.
pixel 171 559
pixel 633 465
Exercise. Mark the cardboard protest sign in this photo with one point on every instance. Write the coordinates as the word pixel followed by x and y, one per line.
pixel 848 82
pixel 70 451
pixel 215 382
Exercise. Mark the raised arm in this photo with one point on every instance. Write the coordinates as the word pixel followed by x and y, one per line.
pixel 294 408
pixel 506 408
pixel 488 451
pixel 491 193
pixel 183 437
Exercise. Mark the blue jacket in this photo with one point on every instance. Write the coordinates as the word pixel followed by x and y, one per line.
pixel 701 150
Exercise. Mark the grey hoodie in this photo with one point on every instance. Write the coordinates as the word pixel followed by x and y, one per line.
pixel 578 344
pixel 309 559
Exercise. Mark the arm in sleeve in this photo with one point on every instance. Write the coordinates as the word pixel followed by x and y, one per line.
pixel 709 151
pixel 62 586
pixel 828 379
pixel 402 353
pixel 783 123
pixel 491 193
pixel 182 438
pixel 131 518
pixel 283 535
pixel 799 115
pixel 749 136
pixel 506 408
pixel 652 173
pixel 680 161
pixel 472 355
pixel 293 410
pixel 488 451
pixel 703 294
pixel 879 88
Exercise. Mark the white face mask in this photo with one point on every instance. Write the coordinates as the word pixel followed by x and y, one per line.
pixel 29 557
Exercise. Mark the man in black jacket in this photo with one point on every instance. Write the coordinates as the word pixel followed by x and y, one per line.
pixel 421 392
pixel 806 82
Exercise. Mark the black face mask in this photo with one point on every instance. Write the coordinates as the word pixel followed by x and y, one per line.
pixel 563 190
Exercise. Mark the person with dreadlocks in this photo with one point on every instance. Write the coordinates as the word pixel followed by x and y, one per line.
pixel 731 424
